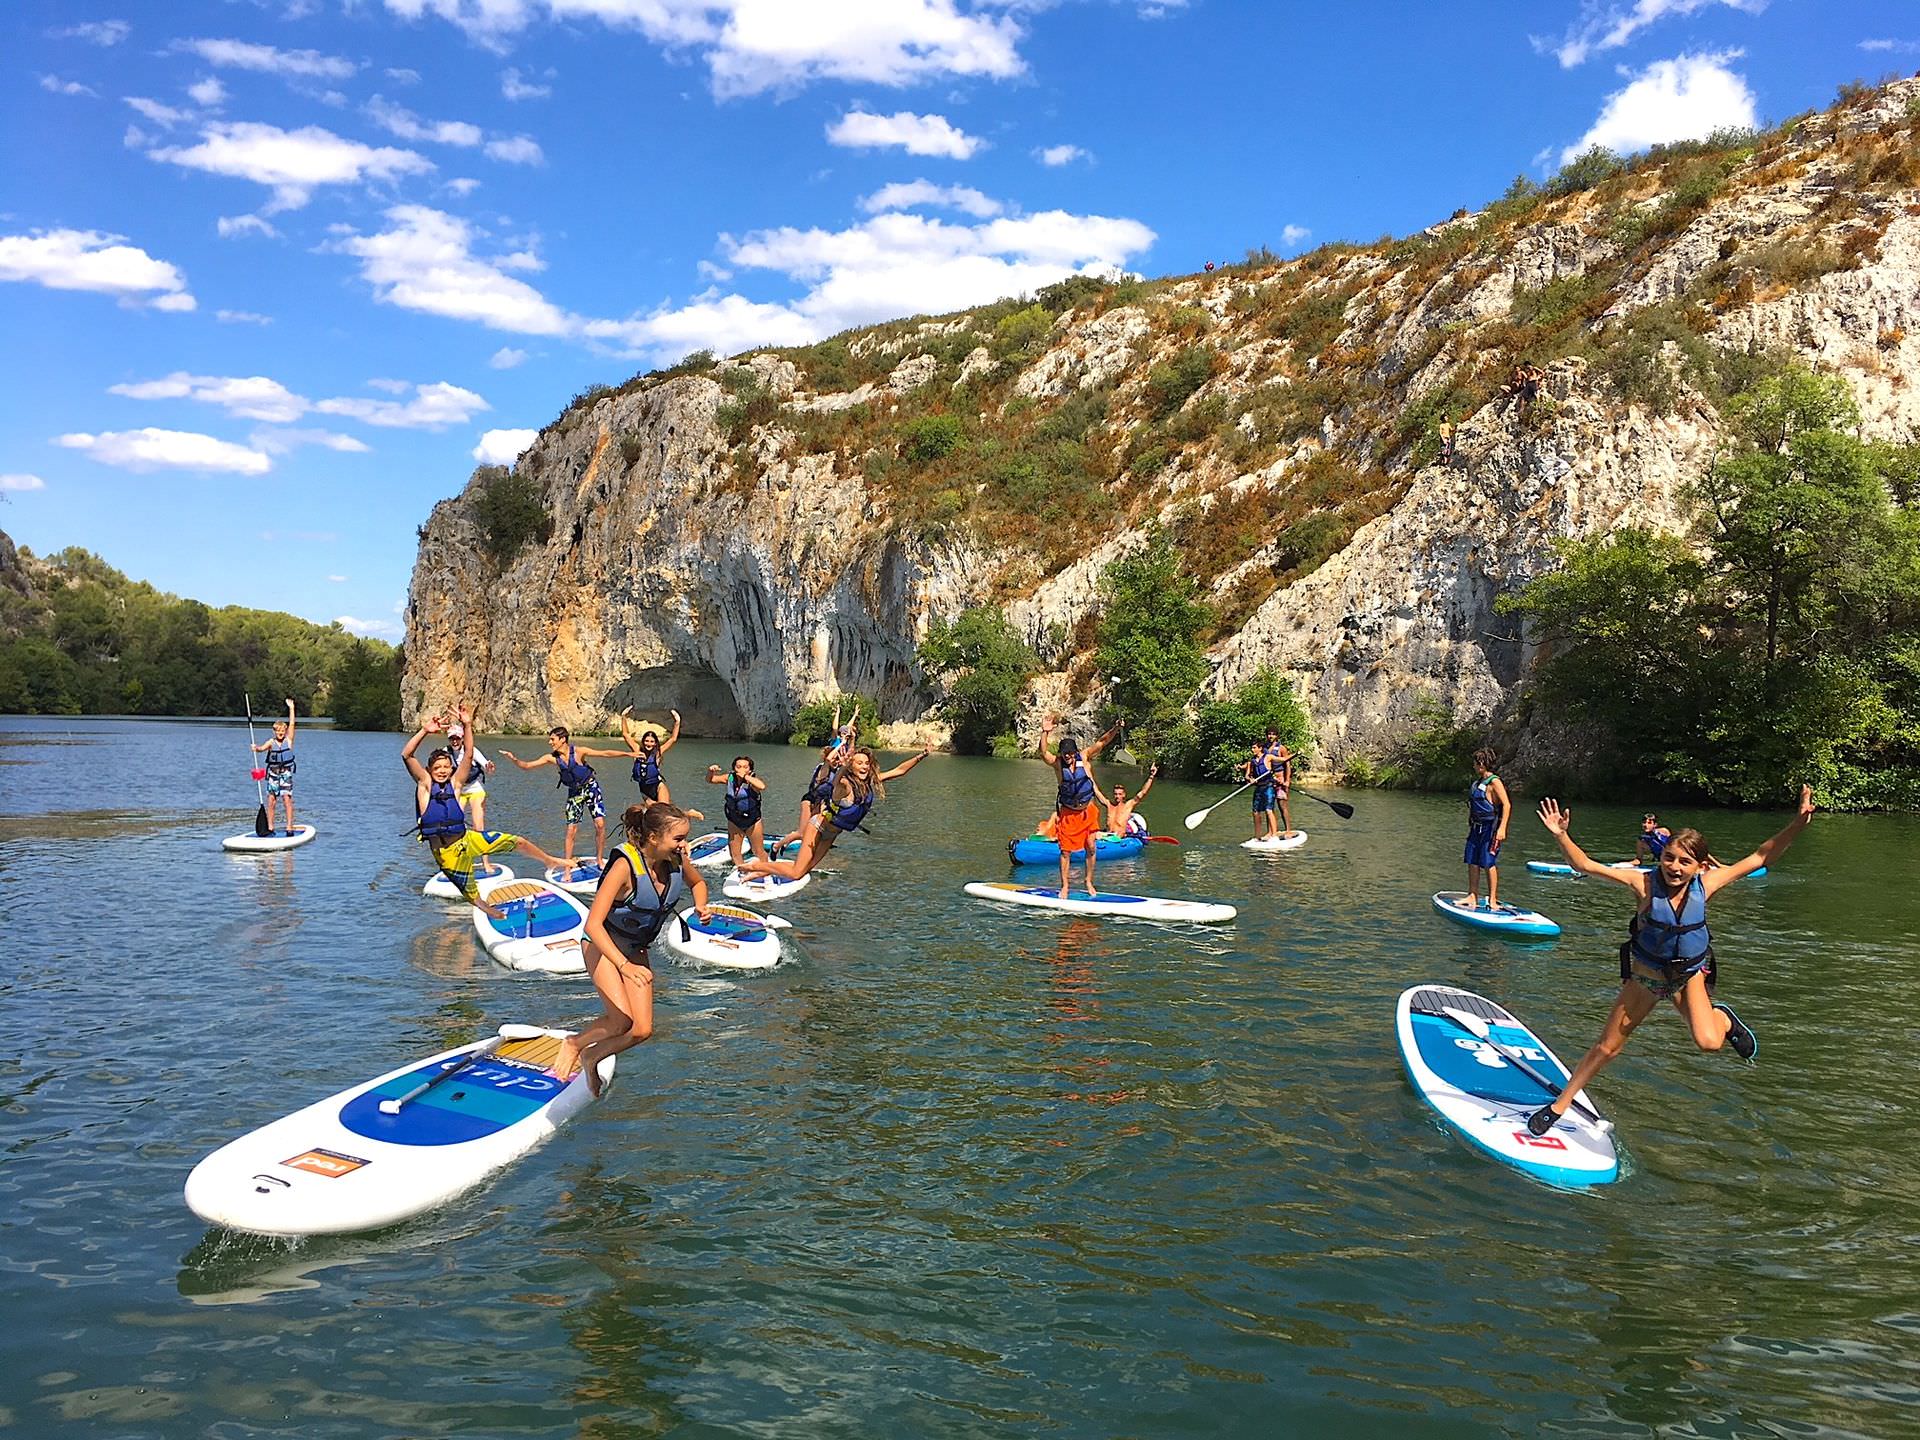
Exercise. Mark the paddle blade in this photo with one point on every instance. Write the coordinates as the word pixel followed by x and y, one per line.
pixel 258 775
pixel 1342 809
pixel 1192 822
pixel 1162 840
pixel 260 825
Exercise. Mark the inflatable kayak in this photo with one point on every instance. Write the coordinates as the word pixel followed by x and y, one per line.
pixel 731 937
pixel 1523 924
pixel 763 888
pixel 540 927
pixel 440 887
pixel 1272 843
pixel 580 878
pixel 1039 850
pixel 1484 1073
pixel 710 851
pixel 278 840
pixel 1078 902
pixel 347 1163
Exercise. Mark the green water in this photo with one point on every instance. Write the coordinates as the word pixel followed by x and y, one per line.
pixel 953 1170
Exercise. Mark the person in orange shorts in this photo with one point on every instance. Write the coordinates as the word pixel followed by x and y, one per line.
pixel 1076 820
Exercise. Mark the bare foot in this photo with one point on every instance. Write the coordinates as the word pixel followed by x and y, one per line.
pixel 566 1064
pixel 593 1080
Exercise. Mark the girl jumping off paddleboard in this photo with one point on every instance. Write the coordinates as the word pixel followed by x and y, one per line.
pixel 647 749
pixel 1669 950
pixel 1488 811
pixel 457 847
pixel 645 878
pixel 855 789
pixel 583 789
pixel 742 807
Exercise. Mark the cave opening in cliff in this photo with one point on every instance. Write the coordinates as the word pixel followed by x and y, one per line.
pixel 706 702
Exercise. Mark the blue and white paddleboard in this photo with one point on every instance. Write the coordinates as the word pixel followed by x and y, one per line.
pixel 273 840
pixel 1507 920
pixel 439 887
pixel 1549 867
pixel 731 937
pixel 762 888
pixel 710 851
pixel 1484 1096
pixel 540 929
pixel 343 1164
pixel 580 878
pixel 1078 902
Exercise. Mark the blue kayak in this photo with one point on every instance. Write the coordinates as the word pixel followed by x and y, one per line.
pixel 1522 924
pixel 1038 850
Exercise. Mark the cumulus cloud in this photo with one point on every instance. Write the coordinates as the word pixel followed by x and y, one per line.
pixel 1607 25
pixel 1294 234
pixel 151 449
pixel 398 120
pixel 252 397
pixel 756 45
pixel 1679 99
pixel 403 76
pixel 55 85
pixel 91 260
pixel 425 262
pixel 377 629
pixel 517 150
pixel 209 93
pixel 506 357
pixel 232 227
pixel 905 195
pixel 18 482
pixel 293 163
pixel 1057 155
pixel 1895 47
pixel 158 113
pixel 96 32
pixel 916 134
pixel 242 317
pixel 515 86
pixel 268 59
pixel 503 447
pixel 432 407
pixel 281 442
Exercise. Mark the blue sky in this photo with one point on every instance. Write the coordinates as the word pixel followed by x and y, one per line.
pixel 275 271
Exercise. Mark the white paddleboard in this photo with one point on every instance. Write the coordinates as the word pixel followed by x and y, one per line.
pixel 439 887
pixel 278 840
pixel 541 929
pixel 580 878
pixel 1549 867
pixel 731 936
pixel 341 1164
pixel 1508 919
pixel 1482 1095
pixel 1145 907
pixel 764 888
pixel 1271 843
pixel 710 851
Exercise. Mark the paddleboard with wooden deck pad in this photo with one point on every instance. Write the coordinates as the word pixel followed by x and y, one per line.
pixel 731 937
pixel 540 927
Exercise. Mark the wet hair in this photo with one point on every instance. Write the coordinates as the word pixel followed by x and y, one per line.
pixel 560 731
pixel 1485 758
pixel 442 754
pixel 1689 840
pixel 644 822
pixel 749 759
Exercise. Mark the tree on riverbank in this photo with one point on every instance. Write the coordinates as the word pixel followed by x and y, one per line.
pixel 1148 645
pixel 989 666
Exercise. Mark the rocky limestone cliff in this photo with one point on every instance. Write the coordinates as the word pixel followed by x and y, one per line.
pixel 738 540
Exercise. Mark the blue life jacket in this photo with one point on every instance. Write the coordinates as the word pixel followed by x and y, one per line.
pixel 1481 810
pixel 441 818
pixel 575 773
pixel 847 817
pixel 646 769
pixel 641 915
pixel 280 759
pixel 1654 841
pixel 820 787
pixel 1661 938
pixel 1260 768
pixel 742 805
pixel 1076 785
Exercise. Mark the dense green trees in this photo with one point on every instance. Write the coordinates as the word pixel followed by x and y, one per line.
pixel 1148 646
pixel 813 721
pixel 990 665
pixel 1227 725
pixel 1785 646
pixel 364 689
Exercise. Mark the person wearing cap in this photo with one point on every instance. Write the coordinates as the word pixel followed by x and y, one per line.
pixel 473 795
pixel 1076 819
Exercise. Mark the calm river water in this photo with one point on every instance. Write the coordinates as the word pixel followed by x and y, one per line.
pixel 952 1171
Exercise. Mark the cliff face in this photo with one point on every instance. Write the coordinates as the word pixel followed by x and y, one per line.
pixel 736 541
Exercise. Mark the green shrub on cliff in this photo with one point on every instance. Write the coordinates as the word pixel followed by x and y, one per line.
pixel 510 510
pixel 1226 726
pixel 1148 647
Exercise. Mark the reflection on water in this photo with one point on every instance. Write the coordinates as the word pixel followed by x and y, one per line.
pixel 959 1170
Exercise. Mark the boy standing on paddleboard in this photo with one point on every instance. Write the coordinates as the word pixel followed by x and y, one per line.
pixel 1075 816
pixel 280 765
pixel 582 787
pixel 1488 810
pixel 1669 950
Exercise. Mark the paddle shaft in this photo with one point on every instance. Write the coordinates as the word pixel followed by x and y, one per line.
pixel 394 1107
pixel 1195 820
pixel 1519 1064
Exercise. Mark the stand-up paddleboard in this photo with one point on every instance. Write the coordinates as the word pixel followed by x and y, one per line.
pixel 345 1164
pixel 540 928
pixel 1486 1095
pixel 1039 850
pixel 710 851
pixel 1508 919
pixel 762 888
pixel 731 936
pixel 278 840
pixel 440 887
pixel 1272 843
pixel 1143 907
pixel 580 878
pixel 1550 867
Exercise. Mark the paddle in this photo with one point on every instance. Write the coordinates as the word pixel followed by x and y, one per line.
pixel 1478 1028
pixel 1192 822
pixel 507 1032
pixel 1338 807
pixel 1162 840
pixel 260 824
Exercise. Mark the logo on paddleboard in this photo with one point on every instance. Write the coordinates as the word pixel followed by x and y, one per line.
pixel 330 1163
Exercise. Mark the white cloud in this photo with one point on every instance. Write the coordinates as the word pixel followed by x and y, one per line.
pixel 209 93
pixel 1896 47
pixel 18 482
pixel 158 113
pixel 96 32
pixel 291 162
pixel 1607 25
pixel 519 150
pixel 1679 99
pixel 464 186
pixel 756 45
pixel 1294 234
pixel 904 195
pixel 242 317
pixel 425 262
pixel 235 226
pixel 378 629
pixel 90 260
pixel 503 447
pixel 398 120
pixel 338 579
pixel 433 407
pixel 402 76
pixel 55 85
pixel 1060 154
pixel 707 270
pixel 389 387
pixel 506 357
pixel 916 134
pixel 515 86
pixel 268 60
pixel 252 397
pixel 282 442
pixel 151 449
